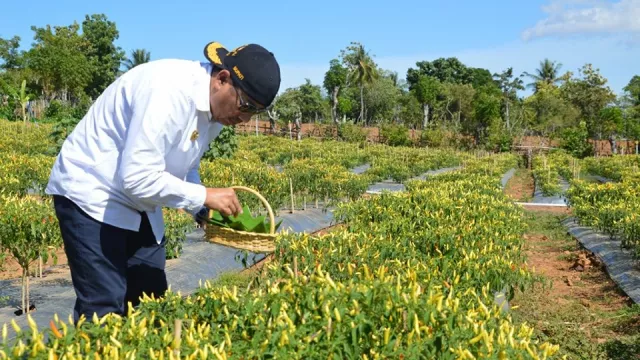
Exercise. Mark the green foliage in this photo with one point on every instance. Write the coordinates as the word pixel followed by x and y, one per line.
pixel 361 70
pixel 426 90
pixel 28 230
pixel 449 70
pixel 61 130
pixel 177 225
pixel 102 53
pixel 486 111
pixel 611 121
pixel 334 80
pixel 575 141
pixel 22 173
pixel 7 112
pixel 137 57
pixel 412 276
pixel 589 94
pixel 508 84
pixel 380 97
pixel 310 100
pixel 438 136
pixel 410 113
pixel 498 138
pixel 395 135
pixel 548 74
pixel 481 77
pixel 10 54
pixel 612 208
pixel 59 57
pixel 58 110
pixel 336 76
pixel 12 103
pixel 223 146
pixel 75 63
pixel 351 132
pixel 632 123
pixel 288 105
pixel 633 89
pixel 550 110
pixel 244 222
pixel 63 63
pixel 346 106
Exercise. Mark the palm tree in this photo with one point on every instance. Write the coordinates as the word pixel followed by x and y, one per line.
pixel 548 73
pixel 138 57
pixel 363 72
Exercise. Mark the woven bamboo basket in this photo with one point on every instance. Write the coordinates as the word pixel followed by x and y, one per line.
pixel 244 240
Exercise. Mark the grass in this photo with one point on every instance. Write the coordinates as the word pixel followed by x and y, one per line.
pixel 549 225
pixel 589 318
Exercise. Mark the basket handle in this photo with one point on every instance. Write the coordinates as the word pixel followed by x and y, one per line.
pixel 272 219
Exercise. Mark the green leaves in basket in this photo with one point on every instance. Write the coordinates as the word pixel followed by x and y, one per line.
pixel 243 222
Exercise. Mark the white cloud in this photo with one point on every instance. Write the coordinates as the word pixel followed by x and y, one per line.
pixel 571 17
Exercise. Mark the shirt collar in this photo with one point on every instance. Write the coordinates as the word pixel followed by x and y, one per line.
pixel 201 89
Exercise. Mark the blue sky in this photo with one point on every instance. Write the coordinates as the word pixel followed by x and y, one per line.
pixel 306 36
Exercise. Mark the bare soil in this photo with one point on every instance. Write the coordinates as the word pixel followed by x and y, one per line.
pixel 11 270
pixel 580 308
pixel 521 186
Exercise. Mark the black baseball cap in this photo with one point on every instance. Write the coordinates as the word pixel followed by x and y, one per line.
pixel 253 69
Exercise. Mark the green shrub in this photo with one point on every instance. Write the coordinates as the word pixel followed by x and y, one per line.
pixel 177 225
pixel 575 140
pixel 224 145
pixel 351 133
pixel 61 129
pixel 395 135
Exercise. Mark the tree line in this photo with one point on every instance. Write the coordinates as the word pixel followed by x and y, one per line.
pixel 69 66
pixel 449 99
pixel 66 66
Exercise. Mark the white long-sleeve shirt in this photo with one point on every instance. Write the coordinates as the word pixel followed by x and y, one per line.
pixel 138 148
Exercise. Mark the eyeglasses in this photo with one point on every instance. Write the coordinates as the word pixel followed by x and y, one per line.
pixel 246 106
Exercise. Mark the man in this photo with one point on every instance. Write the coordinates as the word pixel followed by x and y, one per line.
pixel 129 157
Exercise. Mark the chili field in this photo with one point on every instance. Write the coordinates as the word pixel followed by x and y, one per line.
pixel 416 274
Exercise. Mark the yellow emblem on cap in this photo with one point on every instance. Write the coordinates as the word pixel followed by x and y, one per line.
pixel 235 51
pixel 237 71
pixel 194 135
pixel 212 52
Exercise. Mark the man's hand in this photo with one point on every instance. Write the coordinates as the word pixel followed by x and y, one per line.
pixel 224 200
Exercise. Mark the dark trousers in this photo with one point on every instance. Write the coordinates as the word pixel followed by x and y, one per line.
pixel 109 266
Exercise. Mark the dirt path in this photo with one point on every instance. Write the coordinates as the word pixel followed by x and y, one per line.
pixel 521 186
pixel 583 310
pixel 580 308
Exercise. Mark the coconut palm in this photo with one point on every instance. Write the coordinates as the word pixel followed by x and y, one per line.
pixel 548 73
pixel 138 57
pixel 363 71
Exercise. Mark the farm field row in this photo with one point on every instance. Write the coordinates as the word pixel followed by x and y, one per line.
pixel 315 170
pixel 311 170
pixel 612 207
pixel 410 275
